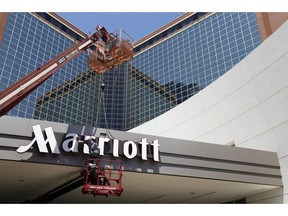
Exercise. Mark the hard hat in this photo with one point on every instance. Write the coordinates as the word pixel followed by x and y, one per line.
pixel 93 137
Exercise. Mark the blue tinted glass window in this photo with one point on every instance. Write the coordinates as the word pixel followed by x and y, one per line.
pixel 214 44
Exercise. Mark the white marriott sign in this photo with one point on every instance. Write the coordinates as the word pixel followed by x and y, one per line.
pixel 70 144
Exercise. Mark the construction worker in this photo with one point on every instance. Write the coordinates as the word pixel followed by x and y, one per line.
pixel 94 152
pixel 101 50
pixel 102 178
pixel 92 144
pixel 92 166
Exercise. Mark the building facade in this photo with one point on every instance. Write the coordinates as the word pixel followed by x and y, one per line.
pixel 248 111
pixel 226 144
pixel 185 58
pixel 28 42
pixel 170 65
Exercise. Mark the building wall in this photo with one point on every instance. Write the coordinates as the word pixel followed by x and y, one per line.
pixel 31 40
pixel 27 43
pixel 154 81
pixel 72 94
pixel 78 99
pixel 246 107
pixel 3 21
pixel 187 62
pixel 269 22
pixel 112 108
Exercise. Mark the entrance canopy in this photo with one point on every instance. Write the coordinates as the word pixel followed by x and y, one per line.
pixel 155 169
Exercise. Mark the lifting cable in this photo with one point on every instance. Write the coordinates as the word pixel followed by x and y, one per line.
pixel 105 117
pixel 101 101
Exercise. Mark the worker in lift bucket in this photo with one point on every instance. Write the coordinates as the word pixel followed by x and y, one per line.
pixel 92 167
pixel 92 144
pixel 94 152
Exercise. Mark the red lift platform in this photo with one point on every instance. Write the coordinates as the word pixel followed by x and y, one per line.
pixel 102 177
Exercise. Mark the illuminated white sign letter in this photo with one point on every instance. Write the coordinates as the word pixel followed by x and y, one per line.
pixel 70 138
pixel 126 149
pixel 116 148
pixel 155 150
pixel 144 144
pixel 41 142
pixel 102 141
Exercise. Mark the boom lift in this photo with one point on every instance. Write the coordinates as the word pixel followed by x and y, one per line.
pixel 111 50
pixel 107 51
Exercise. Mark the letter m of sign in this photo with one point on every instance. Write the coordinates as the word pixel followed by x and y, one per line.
pixel 41 142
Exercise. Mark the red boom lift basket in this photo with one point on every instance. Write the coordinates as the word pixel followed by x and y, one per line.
pixel 106 179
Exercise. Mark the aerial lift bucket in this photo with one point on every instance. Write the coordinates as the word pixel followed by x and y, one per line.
pixel 114 52
pixel 102 177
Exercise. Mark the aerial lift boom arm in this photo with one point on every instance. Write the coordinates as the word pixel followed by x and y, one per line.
pixel 11 96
